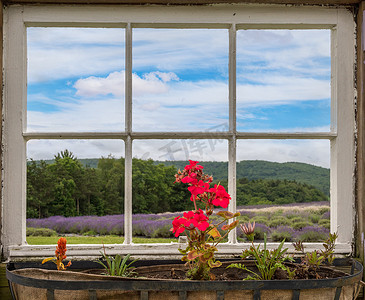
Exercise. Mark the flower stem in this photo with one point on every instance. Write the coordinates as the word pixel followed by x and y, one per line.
pixel 196 209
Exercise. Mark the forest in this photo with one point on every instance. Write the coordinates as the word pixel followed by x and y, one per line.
pixel 67 186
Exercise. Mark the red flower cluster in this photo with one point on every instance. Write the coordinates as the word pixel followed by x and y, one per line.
pixel 60 255
pixel 200 191
pixel 220 196
pixel 61 249
pixel 189 221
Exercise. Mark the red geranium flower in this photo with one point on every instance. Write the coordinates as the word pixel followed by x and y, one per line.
pixel 221 197
pixel 200 220
pixel 178 225
pixel 188 179
pixel 198 188
pixel 193 165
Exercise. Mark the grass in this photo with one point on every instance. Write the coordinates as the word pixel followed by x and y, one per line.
pixel 106 239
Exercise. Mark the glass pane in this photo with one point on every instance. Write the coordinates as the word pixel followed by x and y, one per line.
pixel 284 186
pixel 157 200
pixel 283 80
pixel 180 79
pixel 75 79
pixel 76 187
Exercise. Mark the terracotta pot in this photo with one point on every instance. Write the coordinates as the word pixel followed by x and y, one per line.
pixel 38 284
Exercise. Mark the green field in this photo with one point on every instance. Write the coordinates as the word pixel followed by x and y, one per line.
pixel 106 239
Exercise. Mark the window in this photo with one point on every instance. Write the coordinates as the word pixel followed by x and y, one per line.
pixel 145 119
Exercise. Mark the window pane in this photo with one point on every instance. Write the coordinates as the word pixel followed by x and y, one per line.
pixel 76 186
pixel 283 80
pixel 180 79
pixel 284 187
pixel 75 79
pixel 156 199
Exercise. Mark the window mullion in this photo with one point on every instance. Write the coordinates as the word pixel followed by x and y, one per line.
pixel 232 237
pixel 128 141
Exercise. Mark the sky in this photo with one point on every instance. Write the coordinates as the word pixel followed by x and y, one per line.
pixel 180 83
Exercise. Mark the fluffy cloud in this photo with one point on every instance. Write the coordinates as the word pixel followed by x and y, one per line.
pixel 150 83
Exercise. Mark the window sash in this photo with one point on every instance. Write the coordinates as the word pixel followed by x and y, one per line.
pixel 233 18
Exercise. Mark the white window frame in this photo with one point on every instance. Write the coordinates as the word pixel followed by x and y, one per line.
pixel 232 17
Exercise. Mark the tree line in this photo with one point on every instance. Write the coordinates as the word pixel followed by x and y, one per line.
pixel 65 186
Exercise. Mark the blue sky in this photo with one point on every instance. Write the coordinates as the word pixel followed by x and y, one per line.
pixel 180 83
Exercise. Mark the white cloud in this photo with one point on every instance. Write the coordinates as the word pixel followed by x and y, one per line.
pixel 61 53
pixel 98 115
pixel 316 152
pixel 163 104
pixel 94 86
pixel 298 52
pixel 201 150
pixel 46 149
pixel 150 83
pixel 181 49
pixel 281 89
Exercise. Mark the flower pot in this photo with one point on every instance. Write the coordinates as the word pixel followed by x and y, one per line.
pixel 34 283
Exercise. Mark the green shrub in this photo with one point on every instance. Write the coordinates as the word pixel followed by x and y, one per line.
pixel 319 211
pixel 74 229
pixel 40 232
pixel 103 231
pixel 312 236
pixel 292 216
pixel 30 231
pixel 117 231
pixel 301 224
pixel 243 219
pixel 279 221
pixel 90 233
pixel 260 219
pixel 314 218
pixel 282 233
pixel 162 232
pixel 260 231
pixel 297 219
pixel 324 223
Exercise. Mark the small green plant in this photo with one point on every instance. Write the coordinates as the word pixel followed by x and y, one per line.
pixel 316 258
pixel 117 266
pixel 267 261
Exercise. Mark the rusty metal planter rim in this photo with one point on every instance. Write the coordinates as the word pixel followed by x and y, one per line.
pixel 141 284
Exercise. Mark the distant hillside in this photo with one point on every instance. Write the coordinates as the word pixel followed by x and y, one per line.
pixel 260 169
pixel 86 162
pixel 253 169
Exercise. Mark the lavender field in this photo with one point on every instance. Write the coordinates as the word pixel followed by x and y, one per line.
pixel 308 222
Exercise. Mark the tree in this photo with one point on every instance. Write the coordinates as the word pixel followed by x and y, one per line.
pixel 40 184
